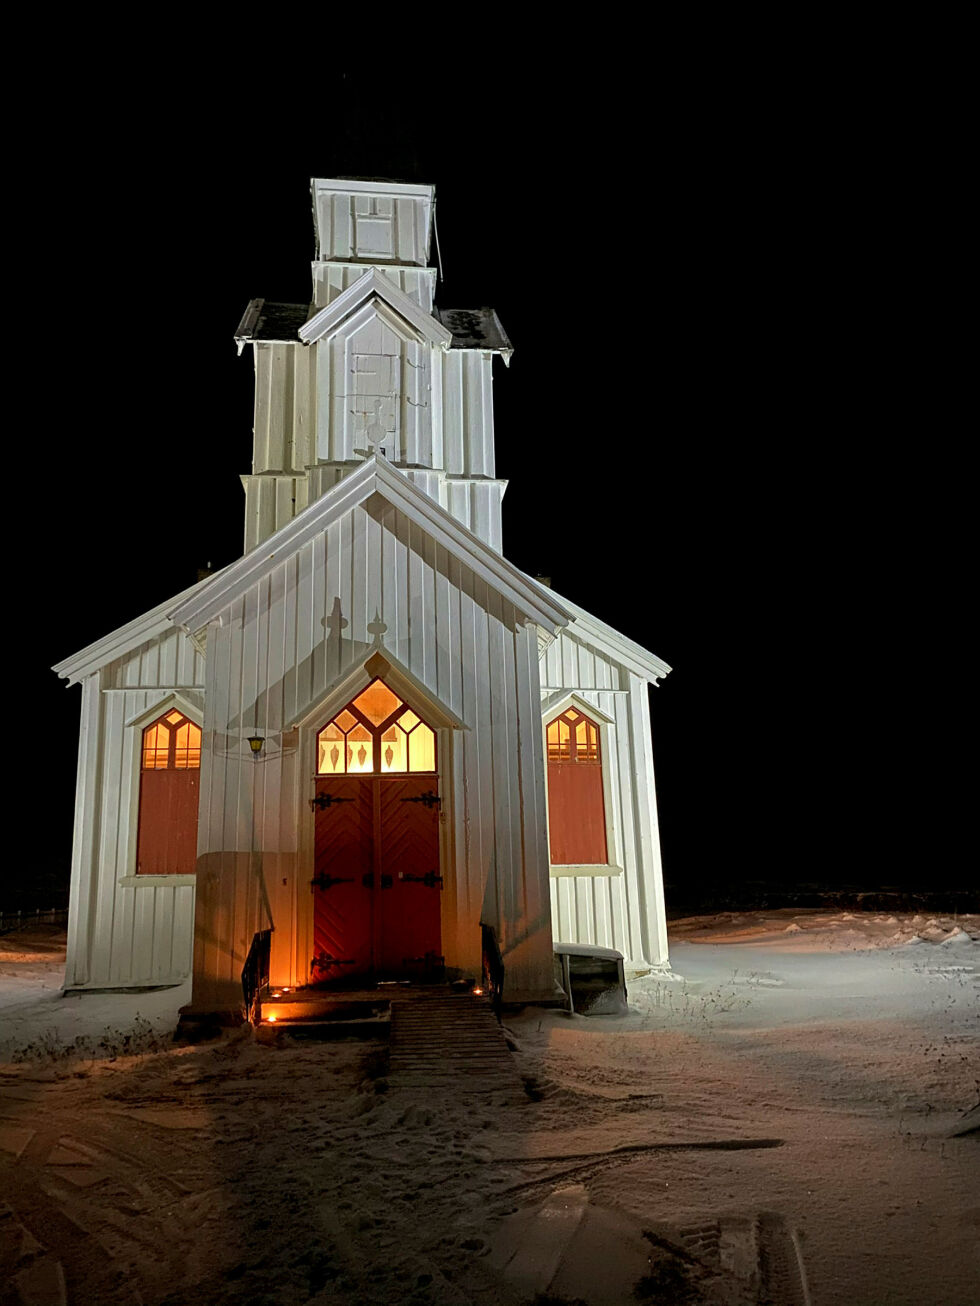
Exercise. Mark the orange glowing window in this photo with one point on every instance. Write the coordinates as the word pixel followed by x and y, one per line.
pixel 572 737
pixel 172 744
pixel 576 807
pixel 377 702
pixel 376 734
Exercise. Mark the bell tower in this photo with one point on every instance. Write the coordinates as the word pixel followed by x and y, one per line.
pixel 372 365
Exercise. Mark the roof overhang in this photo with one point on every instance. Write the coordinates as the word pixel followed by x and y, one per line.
pixel 636 659
pixel 123 640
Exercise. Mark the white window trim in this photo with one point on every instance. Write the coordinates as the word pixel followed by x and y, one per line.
pixel 587 868
pixel 607 726
pixel 132 739
pixel 156 881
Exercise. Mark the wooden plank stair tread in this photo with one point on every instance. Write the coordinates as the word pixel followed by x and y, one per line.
pixel 450 1042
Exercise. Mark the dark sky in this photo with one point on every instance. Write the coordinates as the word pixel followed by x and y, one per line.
pixel 700 429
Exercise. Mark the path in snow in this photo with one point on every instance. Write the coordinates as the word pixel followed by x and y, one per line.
pixel 234 1172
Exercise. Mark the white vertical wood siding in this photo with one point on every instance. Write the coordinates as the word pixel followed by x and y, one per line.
pixel 390 227
pixel 306 438
pixel 332 279
pixel 126 935
pixel 276 654
pixel 615 911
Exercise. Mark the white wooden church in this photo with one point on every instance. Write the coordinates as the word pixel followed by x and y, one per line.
pixel 371 735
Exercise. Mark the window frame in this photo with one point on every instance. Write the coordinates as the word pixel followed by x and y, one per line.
pixel 130 877
pixel 606 724
pixel 377 732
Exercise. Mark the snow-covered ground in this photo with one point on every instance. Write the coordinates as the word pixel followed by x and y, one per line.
pixel 776 1121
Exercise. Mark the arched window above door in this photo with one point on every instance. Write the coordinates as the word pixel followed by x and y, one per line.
pixel 376 734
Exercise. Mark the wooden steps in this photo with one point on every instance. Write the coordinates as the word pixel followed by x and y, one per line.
pixel 452 1043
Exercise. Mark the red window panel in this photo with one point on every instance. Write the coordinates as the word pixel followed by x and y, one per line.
pixel 169 794
pixel 576 806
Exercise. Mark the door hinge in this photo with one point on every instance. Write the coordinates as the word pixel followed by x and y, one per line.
pixel 327 800
pixel 324 960
pixel 430 799
pixel 430 879
pixel 325 881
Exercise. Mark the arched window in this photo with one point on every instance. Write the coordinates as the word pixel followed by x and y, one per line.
pixel 576 807
pixel 170 766
pixel 375 734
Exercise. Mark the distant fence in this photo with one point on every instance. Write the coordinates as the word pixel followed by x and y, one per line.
pixel 695 900
pixel 22 920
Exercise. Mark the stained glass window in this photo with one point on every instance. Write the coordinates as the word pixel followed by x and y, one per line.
pixel 172 744
pixel 572 737
pixel 376 734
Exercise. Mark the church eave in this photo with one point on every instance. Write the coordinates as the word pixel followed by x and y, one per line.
pixel 478 329
pixel 264 322
pixel 123 639
pixel 634 657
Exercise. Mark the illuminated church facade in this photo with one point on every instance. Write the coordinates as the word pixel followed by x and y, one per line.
pixel 370 740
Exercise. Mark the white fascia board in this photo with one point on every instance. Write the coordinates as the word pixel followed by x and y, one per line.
pixel 374 476
pixel 408 189
pixel 374 282
pixel 318 264
pixel 634 657
pixel 123 640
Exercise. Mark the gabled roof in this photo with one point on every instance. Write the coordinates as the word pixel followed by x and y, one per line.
pixel 123 640
pixel 626 651
pixel 374 476
pixel 374 284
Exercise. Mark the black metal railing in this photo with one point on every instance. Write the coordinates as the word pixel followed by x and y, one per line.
pixel 493 968
pixel 255 972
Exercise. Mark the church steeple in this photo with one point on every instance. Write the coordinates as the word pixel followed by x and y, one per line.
pixel 372 364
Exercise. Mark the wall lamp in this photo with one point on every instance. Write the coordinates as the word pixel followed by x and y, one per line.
pixel 255 743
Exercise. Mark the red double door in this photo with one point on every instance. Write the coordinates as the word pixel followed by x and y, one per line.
pixel 376 879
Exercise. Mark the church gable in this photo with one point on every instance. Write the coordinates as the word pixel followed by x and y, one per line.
pixel 373 479
pixel 375 285
pixel 374 388
pixel 372 579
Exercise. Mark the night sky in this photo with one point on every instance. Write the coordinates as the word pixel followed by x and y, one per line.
pixel 700 425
